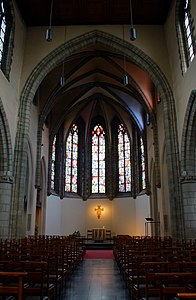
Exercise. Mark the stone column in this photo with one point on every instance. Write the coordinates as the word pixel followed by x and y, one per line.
pixel 5 204
pixel 189 203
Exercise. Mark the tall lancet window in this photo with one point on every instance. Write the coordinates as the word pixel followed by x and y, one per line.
pixel 188 31
pixel 2 28
pixel 185 33
pixel 124 160
pixel 71 162
pixel 6 36
pixel 143 175
pixel 98 159
pixel 53 163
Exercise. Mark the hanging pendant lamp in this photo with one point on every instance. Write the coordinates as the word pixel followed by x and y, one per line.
pixel 132 31
pixel 49 29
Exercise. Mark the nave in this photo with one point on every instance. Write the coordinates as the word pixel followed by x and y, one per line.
pixel 96 279
pixel 63 268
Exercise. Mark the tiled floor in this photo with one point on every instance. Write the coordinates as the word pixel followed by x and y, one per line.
pixel 96 279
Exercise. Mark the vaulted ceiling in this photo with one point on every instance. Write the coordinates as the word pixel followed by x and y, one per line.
pixel 94 77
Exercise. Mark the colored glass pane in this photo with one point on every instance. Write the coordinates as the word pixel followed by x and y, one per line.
pixel 188 31
pixel 53 162
pixel 143 164
pixel 71 163
pixel 98 159
pixel 124 161
pixel 2 28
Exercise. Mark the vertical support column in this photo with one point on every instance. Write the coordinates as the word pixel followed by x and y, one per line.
pixel 189 201
pixel 5 205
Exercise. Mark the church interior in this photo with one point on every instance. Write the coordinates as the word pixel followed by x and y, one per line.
pixel 98 122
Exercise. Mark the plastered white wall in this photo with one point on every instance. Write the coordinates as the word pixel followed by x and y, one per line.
pixel 121 215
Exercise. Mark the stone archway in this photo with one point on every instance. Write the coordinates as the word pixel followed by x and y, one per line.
pixel 188 166
pixel 6 179
pixel 136 56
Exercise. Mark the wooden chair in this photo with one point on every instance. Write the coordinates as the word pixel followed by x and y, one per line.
pixel 89 234
pixel 37 281
pixel 175 282
pixel 11 283
pixel 108 234
pixel 186 295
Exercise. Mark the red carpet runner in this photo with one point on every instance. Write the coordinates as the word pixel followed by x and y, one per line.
pixel 99 254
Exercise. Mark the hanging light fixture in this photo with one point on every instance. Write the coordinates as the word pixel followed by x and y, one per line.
pixel 62 78
pixel 132 32
pixel 125 77
pixel 49 29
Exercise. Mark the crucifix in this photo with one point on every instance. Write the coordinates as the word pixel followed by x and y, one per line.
pixel 99 209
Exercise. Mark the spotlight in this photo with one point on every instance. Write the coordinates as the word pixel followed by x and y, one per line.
pixel 125 80
pixel 62 81
pixel 132 34
pixel 49 35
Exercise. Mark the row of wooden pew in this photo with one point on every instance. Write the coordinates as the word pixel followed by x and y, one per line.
pixel 157 268
pixel 38 267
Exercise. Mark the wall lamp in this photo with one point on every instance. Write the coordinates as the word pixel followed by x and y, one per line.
pixel 98 210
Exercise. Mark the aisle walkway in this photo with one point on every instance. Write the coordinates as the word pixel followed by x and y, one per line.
pixel 96 279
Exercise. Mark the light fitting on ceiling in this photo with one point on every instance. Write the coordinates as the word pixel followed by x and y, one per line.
pixel 132 32
pixel 49 29
pixel 125 76
pixel 62 78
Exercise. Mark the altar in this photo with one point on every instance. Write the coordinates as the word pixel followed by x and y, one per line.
pixel 99 234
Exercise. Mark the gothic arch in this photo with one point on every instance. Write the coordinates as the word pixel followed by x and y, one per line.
pixel 5 144
pixel 188 166
pixel 188 163
pixel 136 56
pixel 6 178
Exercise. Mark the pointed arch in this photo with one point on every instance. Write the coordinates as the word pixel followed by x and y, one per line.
pixel 136 56
pixel 188 163
pixel 6 178
pixel 5 144
pixel 188 166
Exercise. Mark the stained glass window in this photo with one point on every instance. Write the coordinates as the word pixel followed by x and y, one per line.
pixel 143 176
pixel 98 159
pixel 6 36
pixel 185 33
pixel 71 162
pixel 188 31
pixel 124 160
pixel 53 163
pixel 2 28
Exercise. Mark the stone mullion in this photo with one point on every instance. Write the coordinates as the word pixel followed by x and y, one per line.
pixel 109 167
pixel 87 169
pixel 156 152
pixel 134 165
pixel 38 152
pixel 60 164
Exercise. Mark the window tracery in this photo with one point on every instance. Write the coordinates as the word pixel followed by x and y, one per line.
pixel 94 166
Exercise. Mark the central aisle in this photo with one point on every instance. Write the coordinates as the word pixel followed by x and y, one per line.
pixel 96 279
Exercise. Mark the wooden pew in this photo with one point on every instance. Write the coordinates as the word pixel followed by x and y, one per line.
pixel 186 295
pixel 8 286
pixel 172 283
